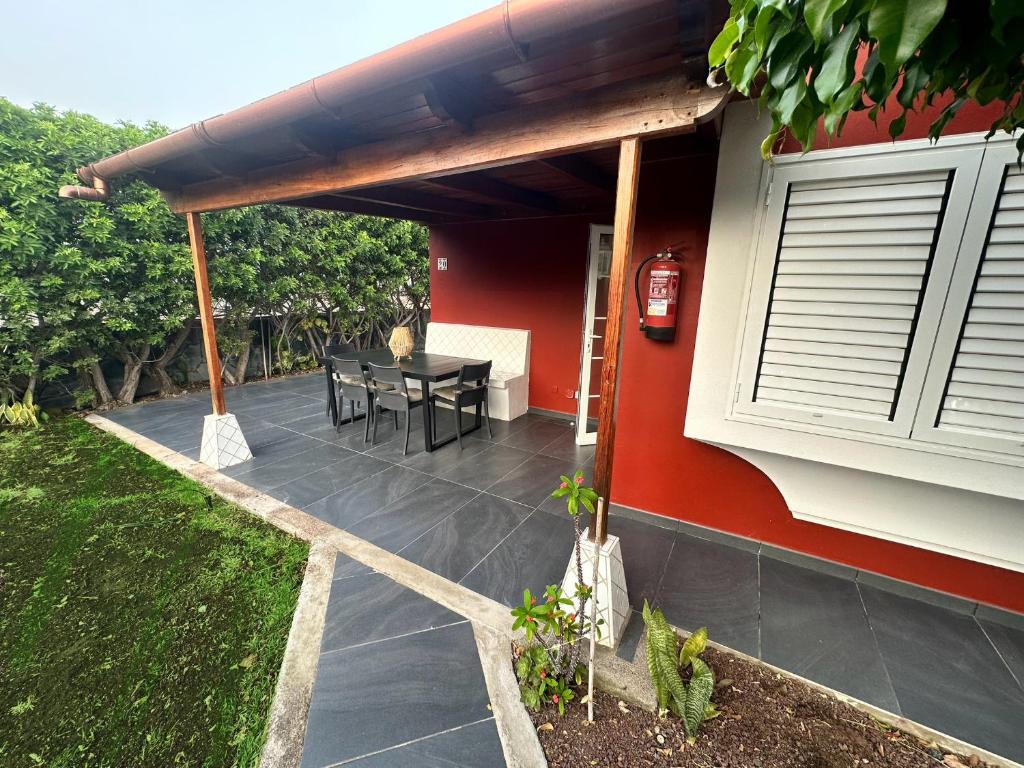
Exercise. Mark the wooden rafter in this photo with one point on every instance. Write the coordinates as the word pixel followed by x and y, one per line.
pixel 347 204
pixel 622 254
pixel 423 201
pixel 450 104
pixel 661 106
pixel 583 171
pixel 500 192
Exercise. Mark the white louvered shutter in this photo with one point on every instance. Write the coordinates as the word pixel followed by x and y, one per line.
pixel 982 398
pixel 855 246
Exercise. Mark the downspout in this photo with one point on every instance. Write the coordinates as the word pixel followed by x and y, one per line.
pixel 99 192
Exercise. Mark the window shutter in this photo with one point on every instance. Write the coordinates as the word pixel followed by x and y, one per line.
pixel 984 392
pixel 850 274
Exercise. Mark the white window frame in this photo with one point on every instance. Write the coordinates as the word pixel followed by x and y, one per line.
pixel 986 198
pixel 964 162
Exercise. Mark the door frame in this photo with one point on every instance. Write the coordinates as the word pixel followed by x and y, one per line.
pixel 583 396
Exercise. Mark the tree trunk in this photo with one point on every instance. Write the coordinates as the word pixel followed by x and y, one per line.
pixel 158 368
pixel 242 364
pixel 132 373
pixel 99 385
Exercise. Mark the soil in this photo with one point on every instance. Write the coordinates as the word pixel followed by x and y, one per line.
pixel 767 721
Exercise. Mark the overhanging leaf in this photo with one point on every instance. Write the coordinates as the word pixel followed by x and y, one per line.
pixel 901 26
pixel 723 43
pixel 837 67
pixel 818 13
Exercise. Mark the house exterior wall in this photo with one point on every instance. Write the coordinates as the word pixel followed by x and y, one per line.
pixel 530 274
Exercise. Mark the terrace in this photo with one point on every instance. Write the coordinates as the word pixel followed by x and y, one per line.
pixel 482 518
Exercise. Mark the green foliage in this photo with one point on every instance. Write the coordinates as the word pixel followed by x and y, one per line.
pixel 548 665
pixel 82 283
pixel 575 494
pixel 142 621
pixel 19 414
pixel 801 55
pixel 690 701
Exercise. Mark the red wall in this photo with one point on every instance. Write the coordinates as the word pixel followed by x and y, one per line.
pixel 523 274
pixel 530 275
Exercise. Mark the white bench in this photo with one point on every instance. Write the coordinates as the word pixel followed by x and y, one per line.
pixel 507 348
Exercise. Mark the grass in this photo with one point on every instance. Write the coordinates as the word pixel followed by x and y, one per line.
pixel 142 620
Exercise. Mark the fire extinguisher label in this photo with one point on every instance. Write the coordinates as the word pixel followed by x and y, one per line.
pixel 657 307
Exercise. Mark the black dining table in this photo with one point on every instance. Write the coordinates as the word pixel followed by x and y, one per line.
pixel 424 367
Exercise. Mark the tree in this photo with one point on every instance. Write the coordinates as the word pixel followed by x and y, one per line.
pixel 93 288
pixel 802 56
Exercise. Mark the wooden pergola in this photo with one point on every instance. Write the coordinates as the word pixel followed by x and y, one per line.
pixel 537 108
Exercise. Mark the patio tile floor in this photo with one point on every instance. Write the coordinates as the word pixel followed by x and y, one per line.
pixel 482 518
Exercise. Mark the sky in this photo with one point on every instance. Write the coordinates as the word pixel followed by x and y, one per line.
pixel 186 60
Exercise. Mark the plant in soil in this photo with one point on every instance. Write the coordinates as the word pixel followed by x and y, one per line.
pixel 666 663
pixel 550 664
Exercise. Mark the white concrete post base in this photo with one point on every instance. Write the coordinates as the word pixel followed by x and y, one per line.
pixel 610 592
pixel 223 442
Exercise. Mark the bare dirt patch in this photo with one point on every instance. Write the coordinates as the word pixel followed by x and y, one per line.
pixel 767 721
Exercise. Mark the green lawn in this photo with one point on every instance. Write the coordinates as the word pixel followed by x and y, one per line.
pixel 142 620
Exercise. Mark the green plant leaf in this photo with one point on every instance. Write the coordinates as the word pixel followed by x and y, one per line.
pixel 784 64
pixel 837 111
pixel 790 99
pixel 741 66
pixel 723 43
pixel 901 26
pixel 837 67
pixel 702 684
pixel 818 13
pixel 693 647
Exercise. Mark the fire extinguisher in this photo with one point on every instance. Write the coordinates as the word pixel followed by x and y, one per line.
pixel 666 278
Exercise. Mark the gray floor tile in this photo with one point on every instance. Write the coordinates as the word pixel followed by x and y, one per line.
pixel 405 520
pixel 263 434
pixel 372 607
pixel 366 698
pixel 945 673
pixel 301 410
pixel 533 556
pixel 347 507
pixel 344 473
pixel 537 435
pixel 447 458
pixel 292 467
pixel 1009 642
pixel 631 637
pixel 532 481
pixel 814 624
pixel 713 585
pixel 487 467
pixel 645 552
pixel 345 567
pixel 565 448
pixel 453 547
pixel 471 746
pixel 808 562
pixel 265 455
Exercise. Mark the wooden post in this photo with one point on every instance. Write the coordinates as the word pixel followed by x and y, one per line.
pixel 195 236
pixel 622 252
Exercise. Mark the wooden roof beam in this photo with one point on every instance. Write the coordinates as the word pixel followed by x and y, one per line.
pixel 423 201
pixel 582 171
pixel 647 108
pixel 331 202
pixel 500 192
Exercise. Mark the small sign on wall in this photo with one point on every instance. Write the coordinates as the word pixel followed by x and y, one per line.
pixel 442 264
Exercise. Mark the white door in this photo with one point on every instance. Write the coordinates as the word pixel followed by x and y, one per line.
pixel 595 318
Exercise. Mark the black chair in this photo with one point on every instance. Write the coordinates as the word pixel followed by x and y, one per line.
pixel 470 389
pixel 330 350
pixel 392 394
pixel 351 384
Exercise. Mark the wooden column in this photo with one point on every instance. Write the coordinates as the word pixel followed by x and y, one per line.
pixel 195 236
pixel 622 253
